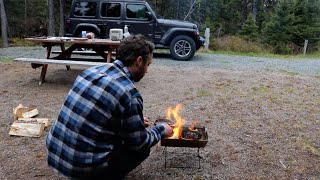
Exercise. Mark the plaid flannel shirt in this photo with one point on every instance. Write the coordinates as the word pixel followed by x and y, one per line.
pixel 102 112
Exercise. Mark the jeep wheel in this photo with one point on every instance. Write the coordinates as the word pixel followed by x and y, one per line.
pixel 182 48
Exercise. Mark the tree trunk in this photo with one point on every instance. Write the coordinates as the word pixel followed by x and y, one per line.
pixel 61 29
pixel 4 32
pixel 254 9
pixel 25 16
pixel 51 27
pixel 191 9
pixel 178 10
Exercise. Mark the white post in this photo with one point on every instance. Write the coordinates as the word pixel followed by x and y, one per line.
pixel 207 35
pixel 305 47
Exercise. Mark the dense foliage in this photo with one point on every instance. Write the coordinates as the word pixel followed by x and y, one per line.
pixel 281 24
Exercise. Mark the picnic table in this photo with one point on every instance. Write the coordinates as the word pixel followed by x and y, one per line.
pixel 101 47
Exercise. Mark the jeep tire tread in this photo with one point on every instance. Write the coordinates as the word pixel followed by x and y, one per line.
pixel 182 48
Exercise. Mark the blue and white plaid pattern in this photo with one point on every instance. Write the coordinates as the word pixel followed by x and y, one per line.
pixel 102 111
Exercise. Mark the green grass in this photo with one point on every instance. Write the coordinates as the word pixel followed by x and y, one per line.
pixel 266 55
pixel 203 93
pixel 311 56
pixel 317 76
pixel 235 124
pixel 262 89
pixel 307 146
pixel 6 60
pixel 21 42
pixel 291 73
pixel 14 42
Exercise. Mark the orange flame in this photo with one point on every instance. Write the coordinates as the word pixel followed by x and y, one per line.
pixel 179 122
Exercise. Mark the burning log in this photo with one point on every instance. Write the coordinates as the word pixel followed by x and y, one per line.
pixel 183 136
pixel 191 134
pixel 197 138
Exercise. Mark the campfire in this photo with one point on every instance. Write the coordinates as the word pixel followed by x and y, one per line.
pixel 183 135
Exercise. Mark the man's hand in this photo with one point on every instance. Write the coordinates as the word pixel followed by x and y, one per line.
pixel 146 121
pixel 169 129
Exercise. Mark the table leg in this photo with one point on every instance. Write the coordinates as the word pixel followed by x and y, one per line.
pixel 109 60
pixel 45 66
pixel 43 73
pixel 63 49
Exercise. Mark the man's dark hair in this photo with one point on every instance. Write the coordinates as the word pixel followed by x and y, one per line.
pixel 132 47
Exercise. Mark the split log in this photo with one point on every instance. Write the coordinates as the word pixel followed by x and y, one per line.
pixel 24 112
pixel 45 121
pixel 19 128
pixel 31 113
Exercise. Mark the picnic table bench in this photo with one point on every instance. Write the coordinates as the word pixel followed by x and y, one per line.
pixel 60 61
pixel 100 47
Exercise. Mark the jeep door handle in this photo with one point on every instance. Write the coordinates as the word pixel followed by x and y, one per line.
pixel 102 24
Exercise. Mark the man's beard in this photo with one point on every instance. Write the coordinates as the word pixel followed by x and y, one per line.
pixel 139 75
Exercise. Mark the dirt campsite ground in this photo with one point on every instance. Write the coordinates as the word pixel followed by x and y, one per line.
pixel 262 123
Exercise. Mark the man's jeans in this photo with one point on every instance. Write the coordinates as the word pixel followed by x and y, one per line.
pixel 120 164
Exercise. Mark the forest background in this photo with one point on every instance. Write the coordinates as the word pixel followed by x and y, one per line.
pixel 271 26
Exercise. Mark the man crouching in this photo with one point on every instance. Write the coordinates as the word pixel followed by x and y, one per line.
pixel 101 132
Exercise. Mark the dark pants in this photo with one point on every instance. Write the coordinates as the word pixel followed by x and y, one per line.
pixel 120 164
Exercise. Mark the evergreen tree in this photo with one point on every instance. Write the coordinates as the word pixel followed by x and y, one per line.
pixel 230 16
pixel 20 25
pixel 306 22
pixel 249 29
pixel 277 31
pixel 293 22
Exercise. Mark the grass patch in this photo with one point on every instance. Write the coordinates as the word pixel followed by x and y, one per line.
pixel 235 124
pixel 290 73
pixel 15 42
pixel 311 56
pixel 290 90
pixel 264 55
pixel 248 54
pixel 203 93
pixel 235 43
pixel 317 76
pixel 162 51
pixel 20 42
pixel 307 146
pixel 9 60
pixel 262 89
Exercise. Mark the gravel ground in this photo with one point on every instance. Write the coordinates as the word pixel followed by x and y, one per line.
pixel 262 116
pixel 238 63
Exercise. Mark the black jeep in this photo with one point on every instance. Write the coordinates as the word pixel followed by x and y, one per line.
pixel 99 16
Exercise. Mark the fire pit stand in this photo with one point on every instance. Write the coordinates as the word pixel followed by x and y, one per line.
pixel 165 160
pixel 197 138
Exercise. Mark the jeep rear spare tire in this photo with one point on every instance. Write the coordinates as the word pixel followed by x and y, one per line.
pixel 182 48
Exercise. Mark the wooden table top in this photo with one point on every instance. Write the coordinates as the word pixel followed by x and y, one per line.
pixel 73 40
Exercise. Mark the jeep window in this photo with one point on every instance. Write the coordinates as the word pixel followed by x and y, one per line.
pixel 85 9
pixel 136 11
pixel 110 10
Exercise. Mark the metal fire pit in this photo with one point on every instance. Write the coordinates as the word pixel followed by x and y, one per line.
pixel 191 139
pixel 194 139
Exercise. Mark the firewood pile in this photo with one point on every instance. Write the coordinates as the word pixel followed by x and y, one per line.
pixel 26 123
